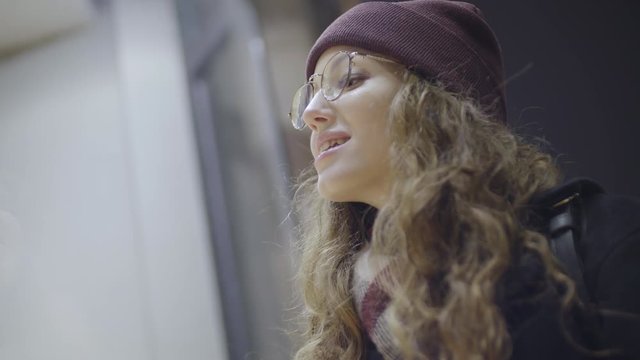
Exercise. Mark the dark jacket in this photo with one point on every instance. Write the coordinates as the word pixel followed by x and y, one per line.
pixel 608 246
pixel 609 251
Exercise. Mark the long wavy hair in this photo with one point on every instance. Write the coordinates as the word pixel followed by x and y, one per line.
pixel 455 220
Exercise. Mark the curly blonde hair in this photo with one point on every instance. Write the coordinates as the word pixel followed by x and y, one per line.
pixel 455 219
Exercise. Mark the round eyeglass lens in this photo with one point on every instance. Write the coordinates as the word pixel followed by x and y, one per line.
pixel 335 75
pixel 301 100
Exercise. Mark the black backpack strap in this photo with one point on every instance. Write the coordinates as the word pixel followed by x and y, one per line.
pixel 564 237
pixel 563 206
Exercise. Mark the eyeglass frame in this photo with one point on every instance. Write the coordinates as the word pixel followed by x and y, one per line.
pixel 350 55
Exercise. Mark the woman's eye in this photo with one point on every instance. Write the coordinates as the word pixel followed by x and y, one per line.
pixel 354 80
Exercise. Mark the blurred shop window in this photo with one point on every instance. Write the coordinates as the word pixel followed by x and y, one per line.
pixel 245 172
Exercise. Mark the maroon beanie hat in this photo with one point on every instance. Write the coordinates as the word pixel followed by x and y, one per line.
pixel 446 42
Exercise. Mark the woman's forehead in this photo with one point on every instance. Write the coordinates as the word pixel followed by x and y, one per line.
pixel 327 54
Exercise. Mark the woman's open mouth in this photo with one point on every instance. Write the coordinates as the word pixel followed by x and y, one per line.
pixel 328 145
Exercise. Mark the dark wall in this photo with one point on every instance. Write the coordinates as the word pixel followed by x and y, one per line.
pixel 581 83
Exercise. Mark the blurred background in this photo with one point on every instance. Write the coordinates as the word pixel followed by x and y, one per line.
pixel 146 160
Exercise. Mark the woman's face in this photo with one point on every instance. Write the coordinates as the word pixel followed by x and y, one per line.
pixel 358 168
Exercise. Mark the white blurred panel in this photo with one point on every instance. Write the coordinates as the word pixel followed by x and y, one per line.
pixel 103 244
pixel 74 287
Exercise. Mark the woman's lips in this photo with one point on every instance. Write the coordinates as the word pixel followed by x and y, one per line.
pixel 326 139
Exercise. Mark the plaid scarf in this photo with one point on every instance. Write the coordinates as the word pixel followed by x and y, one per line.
pixel 522 295
pixel 371 301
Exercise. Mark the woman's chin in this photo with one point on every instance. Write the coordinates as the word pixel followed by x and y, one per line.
pixel 331 191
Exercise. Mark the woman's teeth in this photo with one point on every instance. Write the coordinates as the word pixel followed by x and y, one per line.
pixel 331 144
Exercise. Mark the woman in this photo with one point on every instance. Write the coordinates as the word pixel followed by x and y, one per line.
pixel 419 235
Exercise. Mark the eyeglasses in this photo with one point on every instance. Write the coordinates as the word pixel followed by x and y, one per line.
pixel 335 77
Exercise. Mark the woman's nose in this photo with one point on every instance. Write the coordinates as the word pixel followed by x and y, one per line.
pixel 318 114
